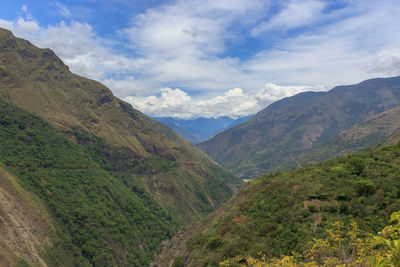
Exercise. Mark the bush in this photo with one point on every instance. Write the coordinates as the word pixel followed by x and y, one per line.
pixel 214 242
pixel 365 187
pixel 179 262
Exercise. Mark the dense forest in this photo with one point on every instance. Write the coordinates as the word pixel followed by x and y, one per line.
pixel 95 211
pixel 281 212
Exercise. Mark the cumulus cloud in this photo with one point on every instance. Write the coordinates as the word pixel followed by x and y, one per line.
pixel 386 63
pixel 188 44
pixel 233 103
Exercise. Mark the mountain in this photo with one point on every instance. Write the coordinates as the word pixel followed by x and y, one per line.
pixel 280 213
pixel 200 129
pixel 99 217
pixel 114 181
pixel 274 137
pixel 377 130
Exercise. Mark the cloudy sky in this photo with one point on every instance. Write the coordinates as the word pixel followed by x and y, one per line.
pixel 210 58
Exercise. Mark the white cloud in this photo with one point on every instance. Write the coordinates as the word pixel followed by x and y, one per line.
pixel 339 52
pixel 187 44
pixel 386 63
pixel 233 103
pixel 75 43
pixel 26 12
pixel 296 13
pixel 63 10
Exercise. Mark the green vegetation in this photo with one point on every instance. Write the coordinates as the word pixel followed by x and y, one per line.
pixel 343 245
pixel 101 218
pixel 140 152
pixel 280 213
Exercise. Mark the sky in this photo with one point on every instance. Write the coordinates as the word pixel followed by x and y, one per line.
pixel 211 58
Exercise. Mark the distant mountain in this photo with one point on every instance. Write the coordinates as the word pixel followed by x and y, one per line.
pixel 114 181
pixel 200 129
pixel 280 213
pixel 377 130
pixel 276 136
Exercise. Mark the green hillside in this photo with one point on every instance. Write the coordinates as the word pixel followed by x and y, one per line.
pixel 282 212
pixel 101 218
pixel 179 176
pixel 275 137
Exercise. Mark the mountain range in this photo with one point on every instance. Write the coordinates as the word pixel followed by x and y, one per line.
pixel 96 164
pixel 200 129
pixel 87 180
pixel 276 137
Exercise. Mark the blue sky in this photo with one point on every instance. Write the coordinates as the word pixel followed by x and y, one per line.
pixel 207 58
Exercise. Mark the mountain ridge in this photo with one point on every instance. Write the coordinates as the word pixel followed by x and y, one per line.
pixel 37 80
pixel 200 129
pixel 114 181
pixel 289 127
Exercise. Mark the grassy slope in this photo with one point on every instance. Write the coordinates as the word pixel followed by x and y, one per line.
pixel 37 80
pixel 100 218
pixel 280 213
pixel 289 127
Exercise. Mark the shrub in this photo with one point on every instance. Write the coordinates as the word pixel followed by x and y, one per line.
pixel 365 187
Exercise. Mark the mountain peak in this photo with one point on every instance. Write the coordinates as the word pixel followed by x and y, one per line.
pixel 35 60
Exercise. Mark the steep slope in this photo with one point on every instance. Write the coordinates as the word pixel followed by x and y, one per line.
pixel 372 131
pixel 394 138
pixel 274 137
pixel 200 129
pixel 280 213
pixel 25 227
pixel 100 217
pixel 178 175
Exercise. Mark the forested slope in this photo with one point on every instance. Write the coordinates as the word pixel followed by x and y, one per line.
pixel 281 212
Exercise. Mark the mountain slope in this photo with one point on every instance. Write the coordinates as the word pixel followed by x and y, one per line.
pixel 100 217
pixel 280 213
pixel 200 129
pixel 372 131
pixel 275 136
pixel 25 226
pixel 181 178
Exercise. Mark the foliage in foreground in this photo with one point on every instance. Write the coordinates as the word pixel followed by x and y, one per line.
pixel 343 246
pixel 282 212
